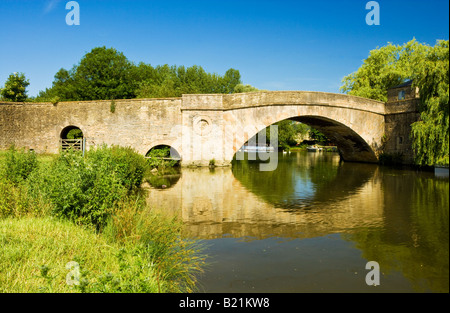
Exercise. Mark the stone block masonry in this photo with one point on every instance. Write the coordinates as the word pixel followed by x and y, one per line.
pixel 205 127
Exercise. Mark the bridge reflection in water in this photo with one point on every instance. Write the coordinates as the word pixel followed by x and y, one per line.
pixel 315 198
pixel 315 215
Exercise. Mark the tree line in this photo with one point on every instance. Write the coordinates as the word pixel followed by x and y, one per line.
pixel 105 74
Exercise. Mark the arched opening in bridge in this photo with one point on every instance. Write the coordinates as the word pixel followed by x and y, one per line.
pixel 165 163
pixel 72 138
pixel 336 137
pixel 163 153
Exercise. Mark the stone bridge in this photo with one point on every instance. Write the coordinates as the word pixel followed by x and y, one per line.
pixel 215 126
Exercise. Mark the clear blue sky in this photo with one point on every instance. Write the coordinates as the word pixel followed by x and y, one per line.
pixel 276 45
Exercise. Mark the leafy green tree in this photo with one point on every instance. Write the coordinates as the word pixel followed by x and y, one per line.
pixel 431 134
pixel 385 67
pixel 231 79
pixel 63 87
pixel 428 67
pixel 240 88
pixel 318 136
pixel 15 88
pixel 104 74
pixel 286 132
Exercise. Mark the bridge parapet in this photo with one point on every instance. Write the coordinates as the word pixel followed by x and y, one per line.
pixel 270 98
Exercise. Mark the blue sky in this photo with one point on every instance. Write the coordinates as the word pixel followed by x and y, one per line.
pixel 276 45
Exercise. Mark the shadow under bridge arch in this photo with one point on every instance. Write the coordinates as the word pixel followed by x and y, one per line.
pixel 352 147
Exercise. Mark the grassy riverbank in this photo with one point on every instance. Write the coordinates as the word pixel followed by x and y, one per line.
pixel 61 212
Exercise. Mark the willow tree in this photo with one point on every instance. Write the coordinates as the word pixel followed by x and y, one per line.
pixel 431 133
pixel 385 68
pixel 428 67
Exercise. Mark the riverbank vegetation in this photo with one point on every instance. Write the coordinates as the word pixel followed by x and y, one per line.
pixel 90 210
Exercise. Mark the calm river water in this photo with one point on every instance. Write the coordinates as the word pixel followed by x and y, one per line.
pixel 313 224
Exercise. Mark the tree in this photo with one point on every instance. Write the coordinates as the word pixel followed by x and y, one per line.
pixel 428 68
pixel 318 136
pixel 104 74
pixel 385 67
pixel 431 134
pixel 241 88
pixel 286 132
pixel 63 87
pixel 15 88
pixel 231 79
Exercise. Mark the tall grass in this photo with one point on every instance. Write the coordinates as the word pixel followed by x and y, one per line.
pixel 30 245
pixel 89 210
pixel 176 260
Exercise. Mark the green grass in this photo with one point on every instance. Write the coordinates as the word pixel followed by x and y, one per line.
pixel 29 243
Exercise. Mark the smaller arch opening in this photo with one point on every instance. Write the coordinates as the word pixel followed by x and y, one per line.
pixel 165 163
pixel 164 152
pixel 72 138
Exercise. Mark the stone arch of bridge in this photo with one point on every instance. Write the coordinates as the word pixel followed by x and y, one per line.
pixel 351 146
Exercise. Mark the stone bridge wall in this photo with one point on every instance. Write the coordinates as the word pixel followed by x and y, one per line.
pixel 206 127
pixel 140 124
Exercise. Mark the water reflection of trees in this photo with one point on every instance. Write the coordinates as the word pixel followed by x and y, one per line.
pixel 415 237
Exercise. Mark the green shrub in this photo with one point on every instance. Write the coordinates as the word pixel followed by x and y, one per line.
pixel 130 166
pixel 127 164
pixel 19 164
pixel 80 190
pixel 95 190
pixel 86 189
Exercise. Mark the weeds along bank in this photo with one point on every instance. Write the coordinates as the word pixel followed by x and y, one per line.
pixel 90 211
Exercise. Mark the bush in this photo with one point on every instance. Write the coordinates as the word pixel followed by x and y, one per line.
pixel 19 164
pixel 79 190
pixel 130 166
pixel 127 164
pixel 95 190
pixel 87 189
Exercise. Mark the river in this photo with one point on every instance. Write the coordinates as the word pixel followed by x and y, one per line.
pixel 313 224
